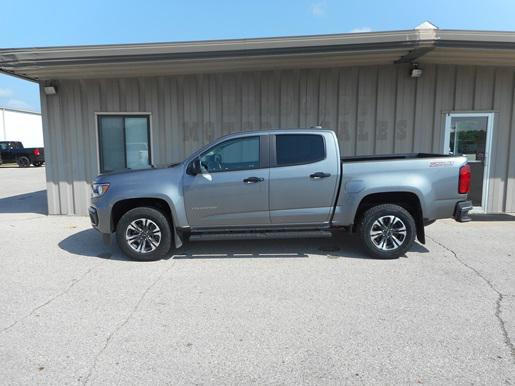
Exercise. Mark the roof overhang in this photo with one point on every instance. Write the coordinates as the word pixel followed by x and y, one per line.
pixel 420 45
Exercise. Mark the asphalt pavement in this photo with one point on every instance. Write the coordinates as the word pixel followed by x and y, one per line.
pixel 310 311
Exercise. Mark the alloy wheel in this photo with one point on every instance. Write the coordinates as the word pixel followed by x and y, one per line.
pixel 143 235
pixel 388 233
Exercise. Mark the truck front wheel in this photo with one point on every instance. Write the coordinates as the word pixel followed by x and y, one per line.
pixel 387 231
pixel 144 234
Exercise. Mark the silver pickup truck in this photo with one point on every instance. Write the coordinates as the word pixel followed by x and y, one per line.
pixel 280 183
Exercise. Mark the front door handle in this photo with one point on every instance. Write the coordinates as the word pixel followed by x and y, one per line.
pixel 319 175
pixel 253 180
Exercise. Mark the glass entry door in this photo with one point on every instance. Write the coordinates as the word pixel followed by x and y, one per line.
pixel 470 134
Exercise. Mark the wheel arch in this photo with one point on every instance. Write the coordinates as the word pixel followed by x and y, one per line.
pixel 405 199
pixel 122 206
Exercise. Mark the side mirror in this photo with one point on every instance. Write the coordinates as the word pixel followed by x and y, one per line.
pixel 194 167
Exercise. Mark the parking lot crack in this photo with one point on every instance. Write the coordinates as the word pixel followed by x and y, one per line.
pixel 498 303
pixel 124 322
pixel 52 299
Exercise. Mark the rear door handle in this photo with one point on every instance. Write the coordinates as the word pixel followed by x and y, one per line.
pixel 319 175
pixel 253 180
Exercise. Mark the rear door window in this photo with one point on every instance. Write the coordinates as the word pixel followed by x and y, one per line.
pixel 298 149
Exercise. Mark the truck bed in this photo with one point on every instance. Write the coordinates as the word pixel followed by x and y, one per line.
pixel 391 157
pixel 432 178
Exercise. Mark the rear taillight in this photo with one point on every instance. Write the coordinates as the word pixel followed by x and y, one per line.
pixel 464 181
pixel 36 152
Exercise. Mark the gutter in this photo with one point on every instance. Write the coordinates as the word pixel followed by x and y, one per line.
pixel 24 77
pixel 212 55
pixel 20 62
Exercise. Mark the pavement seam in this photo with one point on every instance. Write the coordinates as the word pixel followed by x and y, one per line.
pixel 25 219
pixel 498 303
pixel 124 322
pixel 46 303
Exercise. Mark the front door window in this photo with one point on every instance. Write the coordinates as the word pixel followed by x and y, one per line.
pixel 235 154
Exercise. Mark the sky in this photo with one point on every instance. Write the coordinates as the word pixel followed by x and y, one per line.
pixel 33 23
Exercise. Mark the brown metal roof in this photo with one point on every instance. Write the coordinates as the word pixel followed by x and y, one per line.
pixel 125 60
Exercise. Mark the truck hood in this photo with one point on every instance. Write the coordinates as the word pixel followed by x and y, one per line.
pixel 141 176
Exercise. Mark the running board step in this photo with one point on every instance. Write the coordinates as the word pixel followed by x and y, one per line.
pixel 259 235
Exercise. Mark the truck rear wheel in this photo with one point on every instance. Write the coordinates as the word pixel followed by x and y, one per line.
pixel 387 231
pixel 23 162
pixel 144 234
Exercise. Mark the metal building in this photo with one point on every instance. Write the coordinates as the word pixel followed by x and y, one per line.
pixel 21 125
pixel 423 90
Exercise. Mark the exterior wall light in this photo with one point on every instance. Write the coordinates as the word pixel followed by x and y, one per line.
pixel 415 71
pixel 50 90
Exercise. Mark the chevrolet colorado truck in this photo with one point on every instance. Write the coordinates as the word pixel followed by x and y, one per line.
pixel 280 184
pixel 14 152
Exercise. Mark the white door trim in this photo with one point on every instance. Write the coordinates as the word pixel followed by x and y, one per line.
pixel 488 150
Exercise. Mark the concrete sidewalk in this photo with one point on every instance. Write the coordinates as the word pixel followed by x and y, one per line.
pixel 294 311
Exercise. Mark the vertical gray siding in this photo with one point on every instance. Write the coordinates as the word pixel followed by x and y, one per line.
pixel 373 109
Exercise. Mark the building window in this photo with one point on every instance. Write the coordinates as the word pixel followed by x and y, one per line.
pixel 124 142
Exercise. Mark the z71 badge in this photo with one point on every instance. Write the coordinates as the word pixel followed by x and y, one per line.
pixel 440 164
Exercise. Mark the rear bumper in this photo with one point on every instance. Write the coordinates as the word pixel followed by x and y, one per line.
pixel 461 212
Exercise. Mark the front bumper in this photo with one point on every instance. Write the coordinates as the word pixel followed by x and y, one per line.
pixel 461 212
pixel 93 216
pixel 95 223
pixel 100 217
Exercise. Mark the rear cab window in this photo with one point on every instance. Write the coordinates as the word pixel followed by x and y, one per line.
pixel 299 149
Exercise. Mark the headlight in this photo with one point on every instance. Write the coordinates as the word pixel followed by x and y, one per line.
pixel 98 189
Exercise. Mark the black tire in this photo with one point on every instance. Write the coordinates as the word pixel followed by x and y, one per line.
pixel 23 162
pixel 381 231
pixel 37 163
pixel 132 219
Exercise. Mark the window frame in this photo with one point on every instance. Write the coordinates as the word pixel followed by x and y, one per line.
pixel 263 152
pixel 99 115
pixel 273 151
